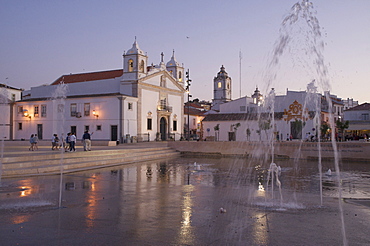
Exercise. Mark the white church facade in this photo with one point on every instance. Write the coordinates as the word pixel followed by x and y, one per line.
pixel 138 102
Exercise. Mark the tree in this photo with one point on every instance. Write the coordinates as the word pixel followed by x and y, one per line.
pixel 341 126
pixel 232 133
pixel 217 131
pixel 235 126
pixel 259 133
pixel 264 125
pixel 325 128
pixel 248 134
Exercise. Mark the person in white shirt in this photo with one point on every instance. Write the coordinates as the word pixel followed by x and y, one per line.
pixel 72 142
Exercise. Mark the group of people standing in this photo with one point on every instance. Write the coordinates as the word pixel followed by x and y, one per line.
pixel 69 144
pixel 71 141
pixel 33 141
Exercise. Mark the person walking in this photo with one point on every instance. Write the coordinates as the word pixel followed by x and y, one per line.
pixel 72 142
pixel 54 142
pixel 86 138
pixel 68 143
pixel 31 142
pixel 35 141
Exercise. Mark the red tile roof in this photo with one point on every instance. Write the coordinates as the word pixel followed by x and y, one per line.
pixel 193 105
pixel 193 111
pixel 83 77
pixel 239 116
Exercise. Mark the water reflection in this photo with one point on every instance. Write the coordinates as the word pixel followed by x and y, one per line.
pixel 175 199
pixel 19 219
pixel 25 191
pixel 186 235
pixel 91 200
pixel 260 229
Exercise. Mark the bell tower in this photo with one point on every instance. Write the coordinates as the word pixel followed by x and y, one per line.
pixel 176 70
pixel 134 63
pixel 221 88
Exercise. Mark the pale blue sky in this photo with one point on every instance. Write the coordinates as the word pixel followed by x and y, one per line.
pixel 42 40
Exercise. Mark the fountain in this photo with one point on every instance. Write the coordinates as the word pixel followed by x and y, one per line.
pixel 300 38
pixel 58 98
pixel 273 174
pixel 3 102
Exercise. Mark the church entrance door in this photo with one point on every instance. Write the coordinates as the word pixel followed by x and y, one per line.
pixel 163 128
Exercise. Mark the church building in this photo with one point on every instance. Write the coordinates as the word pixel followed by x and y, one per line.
pixel 138 102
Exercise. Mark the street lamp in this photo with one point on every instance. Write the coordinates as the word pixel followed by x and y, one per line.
pixel 188 80
pixel 26 114
pixel 95 114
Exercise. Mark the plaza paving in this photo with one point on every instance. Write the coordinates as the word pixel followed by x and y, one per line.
pixel 176 205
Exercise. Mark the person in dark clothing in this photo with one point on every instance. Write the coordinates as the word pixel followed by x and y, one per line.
pixel 86 138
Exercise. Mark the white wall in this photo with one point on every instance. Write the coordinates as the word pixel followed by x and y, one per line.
pixel 281 126
pixel 106 107
pixel 234 106
pixel 177 106
pixel 149 103
pixel 130 116
pixel 81 88
pixel 5 121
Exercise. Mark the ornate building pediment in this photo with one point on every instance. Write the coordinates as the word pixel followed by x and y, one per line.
pixel 295 112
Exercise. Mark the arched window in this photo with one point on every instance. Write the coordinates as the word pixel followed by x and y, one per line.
pixel 219 85
pixel 180 76
pixel 142 66
pixel 130 65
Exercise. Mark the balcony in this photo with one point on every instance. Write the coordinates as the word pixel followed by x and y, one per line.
pixel 164 108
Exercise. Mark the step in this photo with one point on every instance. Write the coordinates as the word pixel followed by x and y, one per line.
pixel 67 168
pixel 50 166
pixel 77 157
pixel 35 156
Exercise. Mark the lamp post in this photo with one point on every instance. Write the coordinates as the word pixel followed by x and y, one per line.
pixel 188 80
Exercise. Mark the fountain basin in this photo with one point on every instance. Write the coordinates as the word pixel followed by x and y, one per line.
pixel 348 151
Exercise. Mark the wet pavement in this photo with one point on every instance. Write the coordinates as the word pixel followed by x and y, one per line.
pixel 179 201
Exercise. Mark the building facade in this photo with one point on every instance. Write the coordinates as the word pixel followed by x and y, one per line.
pixel 193 115
pixel 359 121
pixel 8 96
pixel 139 102
pixel 244 120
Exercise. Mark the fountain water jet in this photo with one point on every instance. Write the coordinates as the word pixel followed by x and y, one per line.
pixel 300 37
pixel 4 101
pixel 273 174
pixel 58 98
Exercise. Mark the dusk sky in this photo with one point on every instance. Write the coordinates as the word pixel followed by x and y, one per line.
pixel 42 40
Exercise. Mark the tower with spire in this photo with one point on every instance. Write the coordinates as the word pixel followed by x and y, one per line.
pixel 221 88
pixel 175 69
pixel 257 97
pixel 134 63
